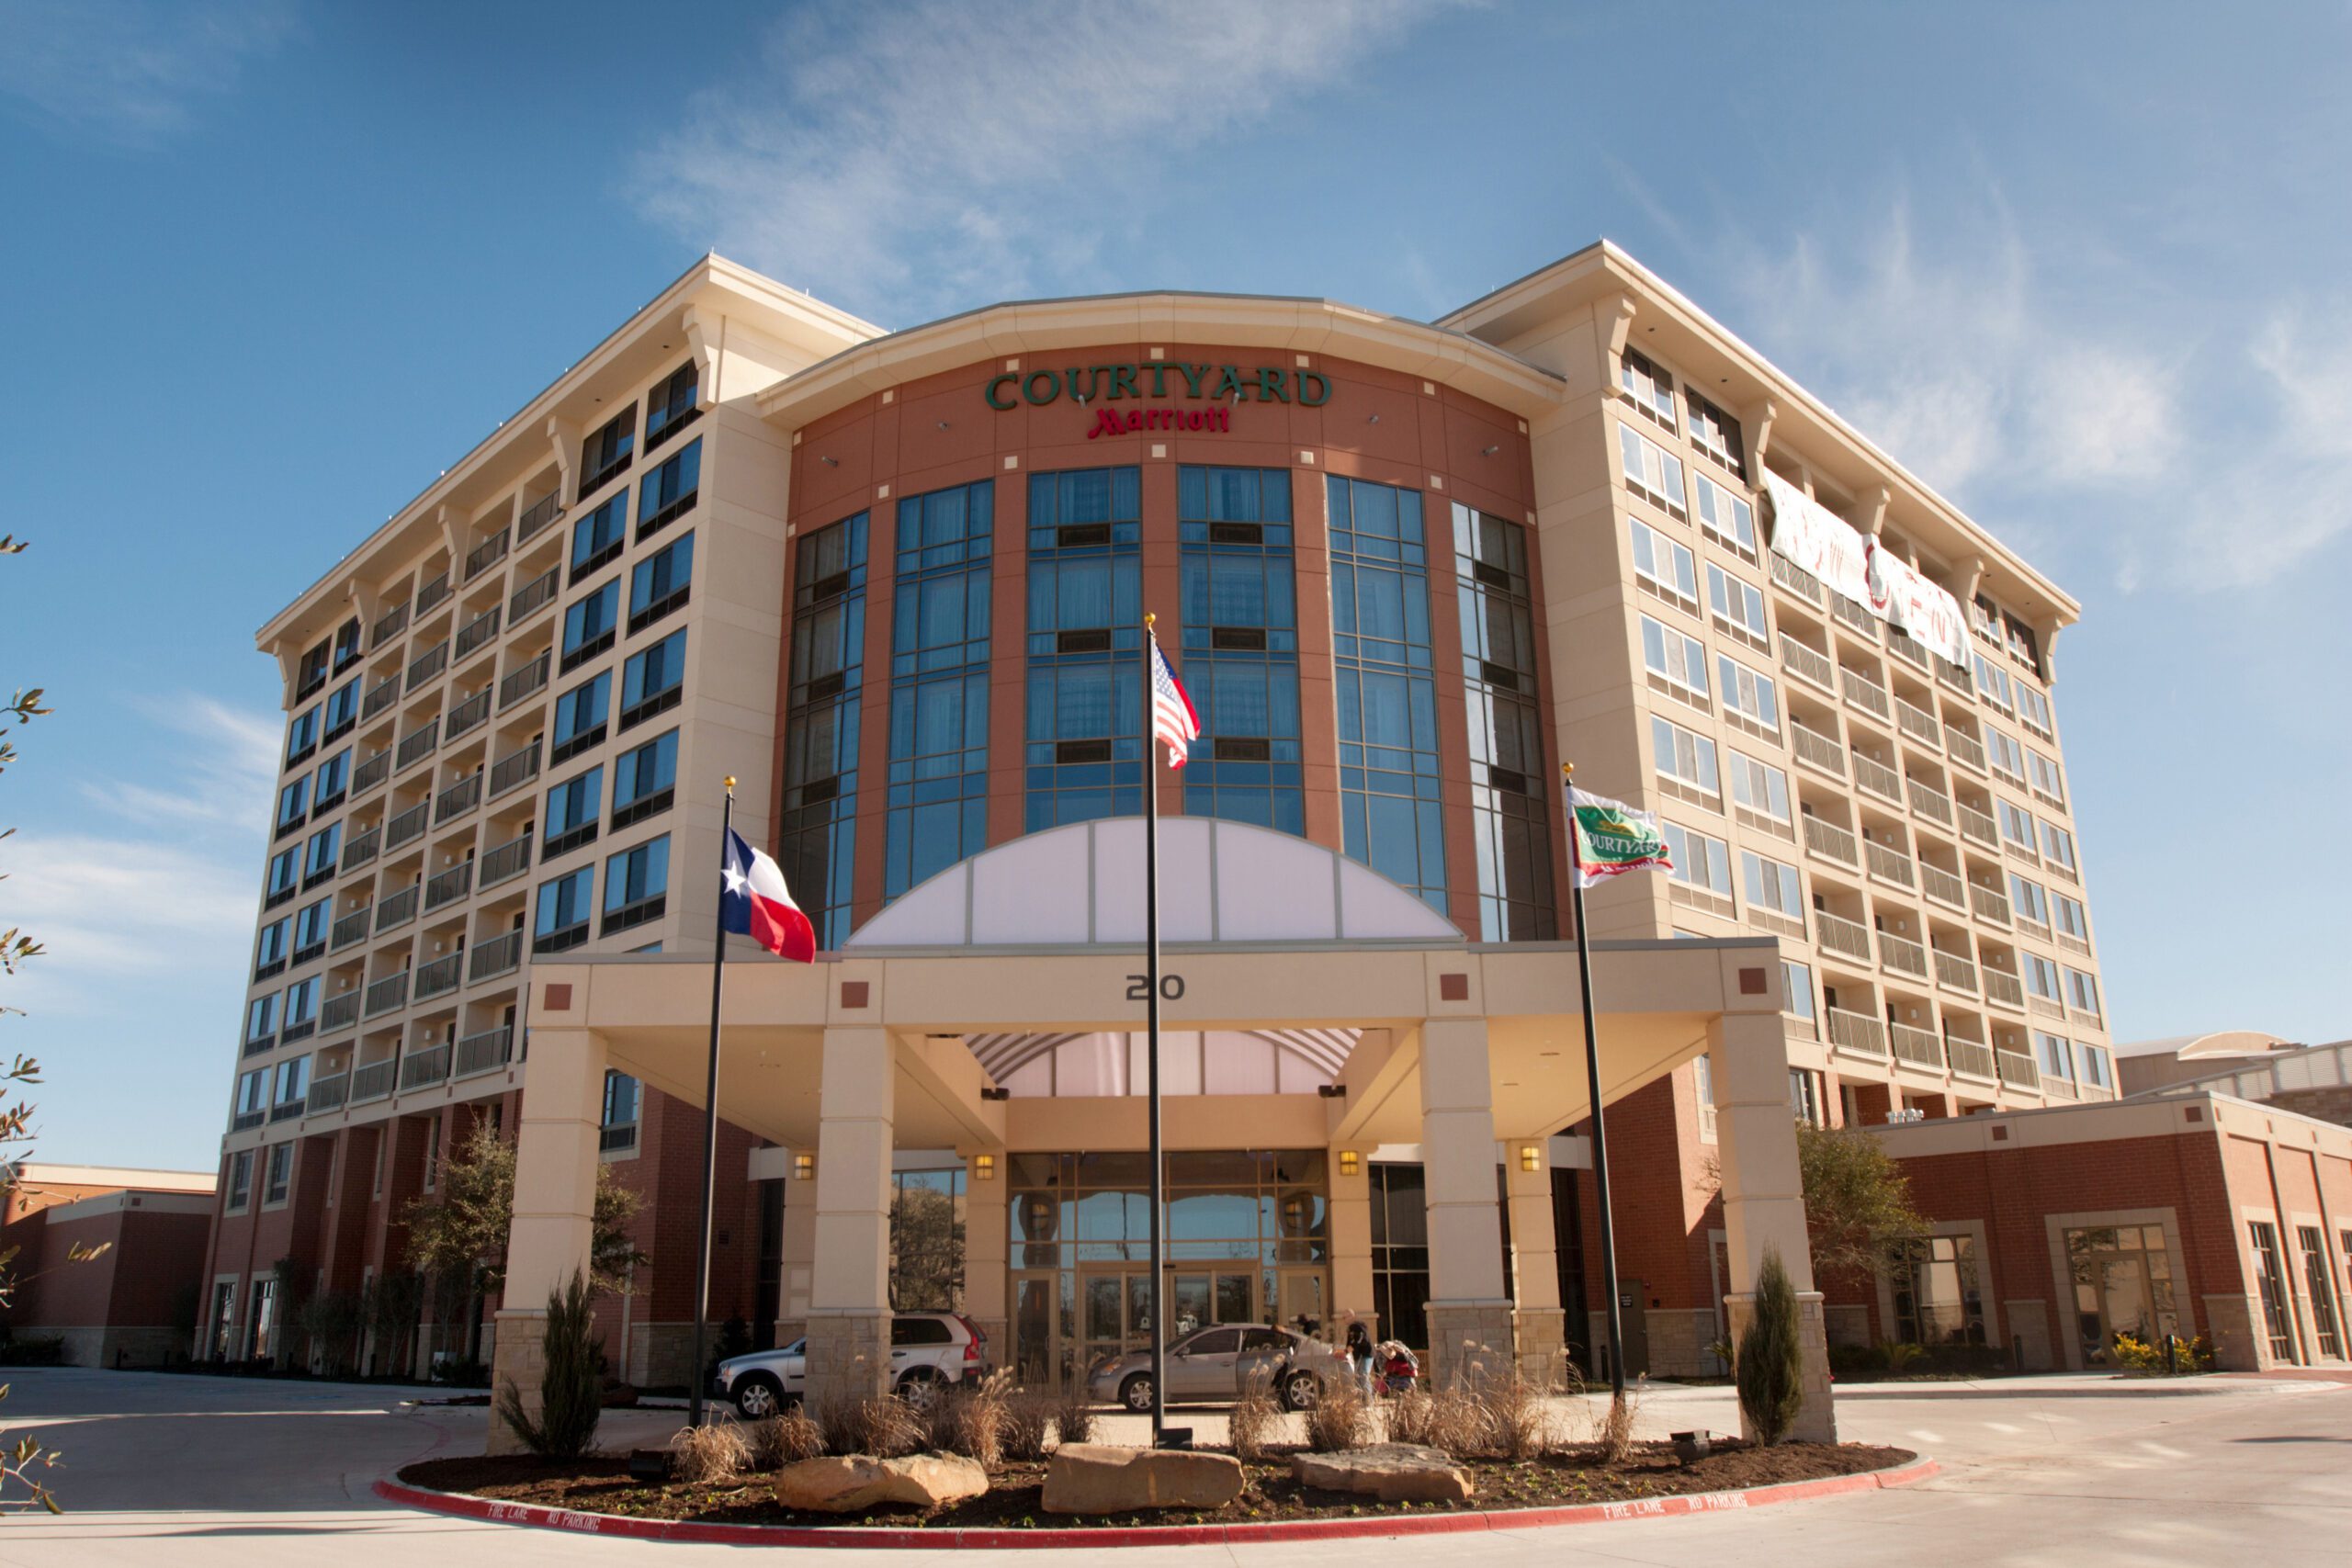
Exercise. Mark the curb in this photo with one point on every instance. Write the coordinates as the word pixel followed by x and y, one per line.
pixel 468 1507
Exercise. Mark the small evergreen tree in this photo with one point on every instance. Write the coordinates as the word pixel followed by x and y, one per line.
pixel 570 1386
pixel 1769 1368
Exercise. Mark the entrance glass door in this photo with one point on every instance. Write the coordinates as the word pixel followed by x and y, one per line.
pixel 1115 1313
pixel 1041 1328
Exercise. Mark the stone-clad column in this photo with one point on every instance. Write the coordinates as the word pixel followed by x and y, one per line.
pixel 794 1267
pixel 849 1296
pixel 1535 1260
pixel 1764 1193
pixel 555 1204
pixel 1351 1247
pixel 1469 1316
pixel 987 1238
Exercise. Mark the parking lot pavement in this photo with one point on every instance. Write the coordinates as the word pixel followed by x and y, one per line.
pixel 250 1473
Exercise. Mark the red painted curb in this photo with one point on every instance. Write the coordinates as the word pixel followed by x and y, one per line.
pixel 464 1506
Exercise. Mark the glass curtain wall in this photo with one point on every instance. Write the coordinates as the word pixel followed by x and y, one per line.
pixel 1084 753
pixel 939 684
pixel 817 849
pixel 1509 786
pixel 1392 818
pixel 1241 641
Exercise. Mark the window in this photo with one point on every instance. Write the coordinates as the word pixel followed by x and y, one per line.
pixel 2058 846
pixel 2017 827
pixel 293 1089
pixel 564 906
pixel 1993 684
pixel 1796 981
pixel 1685 758
pixel 2082 992
pixel 2041 977
pixel 347 644
pixel 2320 1281
pixel 2098 1067
pixel 284 873
pixel 310 927
pixel 331 781
pixel 1749 696
pixel 1510 787
pixel 620 1112
pixel 1701 861
pixel 1651 471
pixel 654 679
pixel 281 1181
pixel 1703 1076
pixel 597 537
pixel 668 492
pixel 1664 567
pixel 1759 788
pixel 301 735
pixel 1677 659
pixel 2072 919
pixel 269 950
pixel 2271 1279
pixel 2027 901
pixel 573 808
pixel 1391 814
pixel 433 1154
pixel 1400 1250
pixel 1738 606
pixel 1805 1097
pixel 1646 386
pixel 312 673
pixel 588 625
pixel 636 884
pixel 293 804
pixel 1084 757
pixel 660 582
pixel 644 780
pixel 670 407
pixel 342 709
pixel 1939 1298
pixel 1717 434
pixel 2006 756
pixel 1241 641
pixel 301 1009
pixel 2048 782
pixel 1771 885
pixel 319 860
pixel 820 772
pixel 604 454
pixel 2055 1056
pixel 241 1177
pixel 580 718
pixel 2034 709
pixel 261 1019
pixel 1727 515
pixel 936 794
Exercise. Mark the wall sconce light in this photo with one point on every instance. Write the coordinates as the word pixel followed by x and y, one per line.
pixel 1349 1162
pixel 1332 1090
pixel 943 424
pixel 1530 1158
pixel 1490 451
pixel 984 1167
pixel 804 1165
pixel 830 462
pixel 995 1091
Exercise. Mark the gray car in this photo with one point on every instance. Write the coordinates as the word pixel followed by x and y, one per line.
pixel 1213 1366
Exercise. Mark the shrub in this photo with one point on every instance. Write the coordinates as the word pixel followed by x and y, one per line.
pixel 1856 1363
pixel 1770 1370
pixel 1901 1356
pixel 1443 1419
pixel 1339 1418
pixel 2134 1354
pixel 33 1350
pixel 570 1390
pixel 969 1419
pixel 1614 1434
pixel 878 1425
pixel 1073 1417
pixel 782 1440
pixel 1254 1414
pixel 1028 1422
pixel 704 1455
pixel 1514 1421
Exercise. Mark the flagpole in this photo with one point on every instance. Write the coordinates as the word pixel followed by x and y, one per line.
pixel 1592 1081
pixel 1151 1042
pixel 711 1119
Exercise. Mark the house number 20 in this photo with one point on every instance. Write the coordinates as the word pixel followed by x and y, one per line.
pixel 1172 987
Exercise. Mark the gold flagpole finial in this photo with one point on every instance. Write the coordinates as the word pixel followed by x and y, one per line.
pixel 730 783
pixel 1568 772
pixel 1149 618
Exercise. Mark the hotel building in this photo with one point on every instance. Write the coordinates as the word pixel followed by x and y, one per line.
pixel 894 583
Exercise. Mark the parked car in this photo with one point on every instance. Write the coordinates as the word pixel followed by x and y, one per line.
pixel 1212 1365
pixel 929 1350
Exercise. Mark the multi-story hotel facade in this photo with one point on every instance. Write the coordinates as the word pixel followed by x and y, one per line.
pixel 894 585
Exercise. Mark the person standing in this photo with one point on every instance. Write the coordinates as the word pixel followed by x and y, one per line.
pixel 1359 1350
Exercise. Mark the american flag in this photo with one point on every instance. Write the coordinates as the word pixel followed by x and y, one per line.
pixel 1172 718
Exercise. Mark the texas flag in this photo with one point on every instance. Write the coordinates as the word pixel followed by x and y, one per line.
pixel 755 902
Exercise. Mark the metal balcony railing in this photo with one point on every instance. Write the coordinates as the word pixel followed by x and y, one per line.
pixel 327 1094
pixel 476 634
pixel 448 886
pixel 1865 693
pixel 499 955
pixel 1965 749
pixel 519 766
pixel 349 929
pixel 1908 648
pixel 1851 939
pixel 1955 972
pixel 1971 1056
pixel 1857 619
pixel 532 596
pixel 426 666
pixel 407 825
pixel 373 1081
pixel 388 624
pixel 458 798
pixel 1990 903
pixel 487 554
pixel 2000 986
pixel 1818 750
pixel 1919 724
pixel 1858 1032
pixel 1889 864
pixel 538 515
pixel 1805 662
pixel 387 994
pixel 370 773
pixel 466 714
pixel 1832 842
pixel 1920 1047
pixel 362 848
pixel 1796 579
pixel 416 745
pixel 523 682
pixel 380 696
pixel 1902 955
pixel 1978 826
pixel 2018 1070
pixel 1942 888
pixel 395 909
pixel 1929 801
pixel 1878 779
pixel 486 1052
pixel 420 1069
pixel 509 859
pixel 340 1011
pixel 439 977
pixel 432 593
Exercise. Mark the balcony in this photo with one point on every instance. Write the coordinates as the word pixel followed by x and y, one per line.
pixel 466 714
pixel 523 682
pixel 1902 955
pixel 373 1081
pixel 439 977
pixel 422 1069
pixel 362 848
pixel 1856 1032
pixel 510 859
pixel 380 696
pixel 388 624
pixel 1972 1058
pixel 1990 903
pixel 1805 664
pixel 349 929
pixel 1863 692
pixel 395 910
pixel 1955 972
pixel 1965 749
pixel 1832 842
pixel 2018 1070
pixel 406 826
pixel 486 1052
pixel 487 554
pixel 1817 750
pixel 532 597
pixel 538 515
pixel 370 773
pixel 457 799
pixel 519 766
pixel 1977 826
pixel 431 595
pixel 328 1094
pixel 499 955
pixel 341 1011
pixel 416 746
pixel 1908 648
pixel 429 664
pixel 1878 779
pixel 2002 987
pixel 450 885
pixel 1888 864
pixel 475 634
pixel 1850 939
pixel 1929 801
pixel 1920 1047
pixel 1796 580
pixel 387 994
pixel 1942 888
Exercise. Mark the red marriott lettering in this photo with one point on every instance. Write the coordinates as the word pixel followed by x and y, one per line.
pixel 1111 422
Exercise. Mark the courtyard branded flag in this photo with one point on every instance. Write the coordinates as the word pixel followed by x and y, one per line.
pixel 755 902
pixel 1613 838
pixel 1172 718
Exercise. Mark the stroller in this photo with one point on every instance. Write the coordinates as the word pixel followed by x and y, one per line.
pixel 1396 1366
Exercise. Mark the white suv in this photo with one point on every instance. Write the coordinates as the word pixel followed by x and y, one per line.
pixel 928 1351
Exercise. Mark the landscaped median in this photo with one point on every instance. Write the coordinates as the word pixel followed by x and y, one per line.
pixel 596 1495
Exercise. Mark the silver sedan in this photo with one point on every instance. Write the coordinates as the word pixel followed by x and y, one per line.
pixel 1214 1365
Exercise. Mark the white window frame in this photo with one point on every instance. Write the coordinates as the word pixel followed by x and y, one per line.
pixel 1766 773
pixel 1649 388
pixel 2032 967
pixel 2005 755
pixel 2053 839
pixel 2013 815
pixel 1652 472
pixel 1693 656
pixel 1679 553
pixel 1738 682
pixel 1717 857
pixel 2081 982
pixel 1704 758
pixel 1724 515
pixel 2033 711
pixel 2055 1055
pixel 1777 879
pixel 2078 926
pixel 2049 782
pixel 2035 909
pixel 1721 586
pixel 2097 1064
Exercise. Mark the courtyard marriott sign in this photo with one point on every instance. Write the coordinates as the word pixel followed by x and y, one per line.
pixel 1215 390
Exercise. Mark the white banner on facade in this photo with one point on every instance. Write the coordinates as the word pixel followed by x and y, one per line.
pixel 1900 595
pixel 1818 540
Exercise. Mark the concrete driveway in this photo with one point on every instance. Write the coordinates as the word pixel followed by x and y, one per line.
pixel 199 1471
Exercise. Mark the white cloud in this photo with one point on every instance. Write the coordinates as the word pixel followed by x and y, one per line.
pixel 907 157
pixel 226 774
pixel 128 72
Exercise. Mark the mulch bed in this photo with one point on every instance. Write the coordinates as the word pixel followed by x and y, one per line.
pixel 601 1485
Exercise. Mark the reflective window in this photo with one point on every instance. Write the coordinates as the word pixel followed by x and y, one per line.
pixel 1652 471
pixel 936 804
pixel 598 536
pixel 1771 885
pixel 1664 566
pixel 301 735
pixel 343 708
pixel 669 491
pixel 636 882
pixel 579 716
pixel 1510 787
pixel 1084 747
pixel 1391 814
pixel 1749 695
pixel 1939 1299
pixel 564 902
pixel 820 772
pixel 652 678
pixel 573 809
pixel 333 779
pixel 1676 658
pixel 589 623
pixel 669 406
pixel 1648 388
pixel 293 802
pixel 1240 646
pixel 660 582
pixel 1684 758
pixel 644 776
pixel 1725 515
pixel 606 451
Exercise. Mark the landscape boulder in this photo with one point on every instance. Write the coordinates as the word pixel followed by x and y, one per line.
pixel 1393 1472
pixel 854 1482
pixel 1095 1478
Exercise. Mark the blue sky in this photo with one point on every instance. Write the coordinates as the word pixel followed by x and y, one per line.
pixel 269 268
